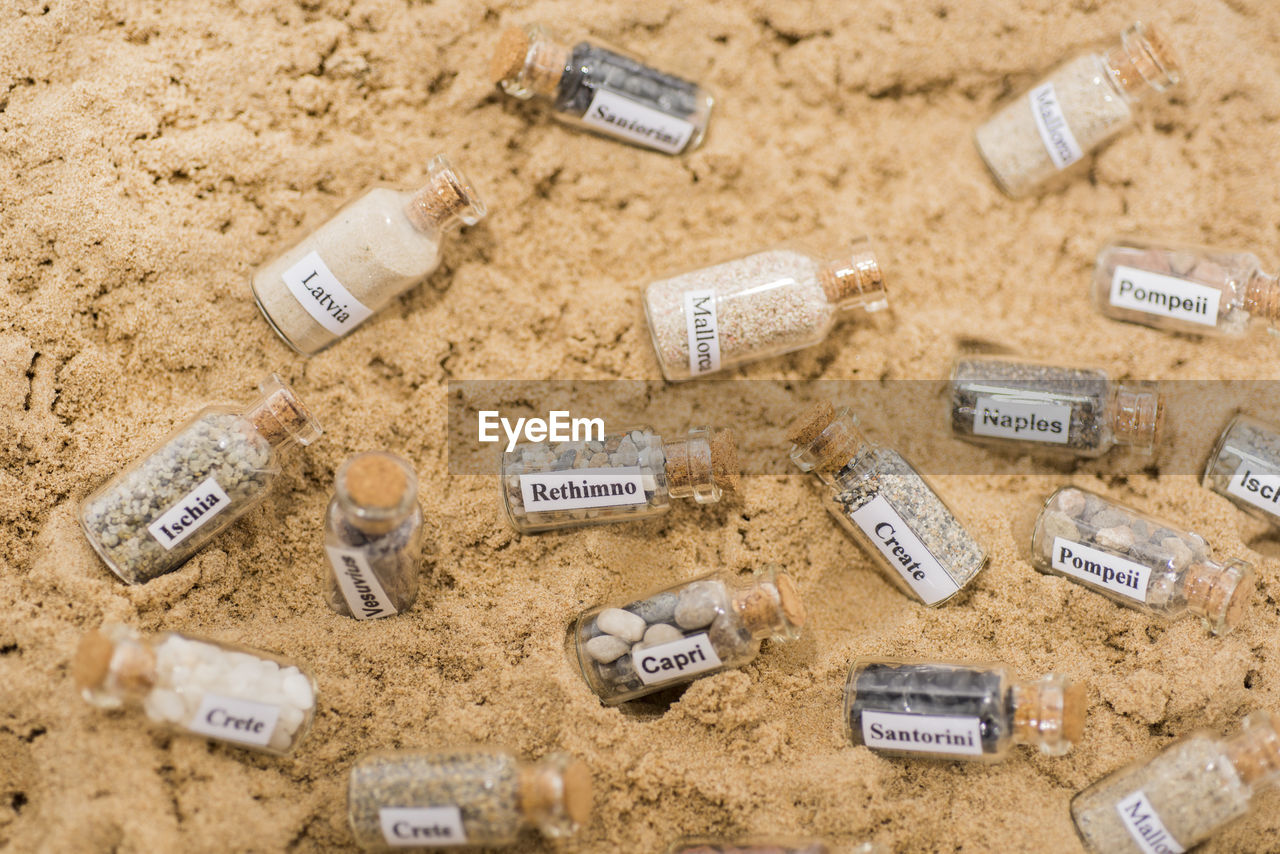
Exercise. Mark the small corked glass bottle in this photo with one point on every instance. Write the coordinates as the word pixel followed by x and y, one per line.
pixel 684 632
pixel 152 517
pixel 463 797
pixel 1080 105
pixel 959 711
pixel 757 306
pixel 888 507
pixel 373 537
pixel 1245 467
pixel 1185 288
pixel 769 845
pixel 1049 409
pixel 243 696
pixel 602 89
pixel 1183 795
pixel 1137 560
pixel 370 252
pixel 623 476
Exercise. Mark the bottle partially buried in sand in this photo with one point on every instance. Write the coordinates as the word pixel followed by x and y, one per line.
pixel 1185 288
pixel 152 517
pixel 242 696
pixel 1075 109
pixel 1245 467
pixel 959 711
pixel 757 306
pixel 1184 795
pixel 1138 561
pixel 602 89
pixel 684 632
pixel 370 252
pixel 466 797
pixel 889 508
pixel 620 477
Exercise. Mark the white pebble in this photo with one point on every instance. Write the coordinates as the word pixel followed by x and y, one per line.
pixel 699 604
pixel 1119 538
pixel 1071 502
pixel 280 739
pixel 661 633
pixel 621 624
pixel 163 705
pixel 297 688
pixel 606 648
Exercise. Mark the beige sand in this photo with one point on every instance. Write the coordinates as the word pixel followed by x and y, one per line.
pixel 152 154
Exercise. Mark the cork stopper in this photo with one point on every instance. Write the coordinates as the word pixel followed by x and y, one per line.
pixel 555 794
pixel 810 423
pixel 112 663
pixel 1138 416
pixel 770 606
pixel 703 465
pixel 280 417
pixel 447 201
pixel 855 281
pixel 376 490
pixel 1144 60
pixel 92 663
pixel 1219 593
pixel 823 438
pixel 1255 751
pixel 508 55
pixel 528 61
pixel 1262 297
pixel 1050 712
pixel 725 470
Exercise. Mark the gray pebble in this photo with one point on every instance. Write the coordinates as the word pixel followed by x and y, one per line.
pixel 1071 502
pixel 655 609
pixel 1118 538
pixel 699 603
pixel 1059 525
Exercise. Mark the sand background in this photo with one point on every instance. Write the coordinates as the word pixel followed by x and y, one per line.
pixel 152 153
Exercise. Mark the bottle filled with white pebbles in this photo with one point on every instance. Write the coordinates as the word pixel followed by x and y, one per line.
pixel 242 696
pixel 1245 467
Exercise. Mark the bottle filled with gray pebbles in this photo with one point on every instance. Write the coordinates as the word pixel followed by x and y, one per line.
pixel 685 632
pixel 620 477
pixel 1245 467
pixel 1051 410
pixel 373 537
pixel 1080 105
pixel 757 306
pixel 152 517
pixel 1188 792
pixel 888 507
pixel 468 797
pixel 1137 560
pixel 1182 288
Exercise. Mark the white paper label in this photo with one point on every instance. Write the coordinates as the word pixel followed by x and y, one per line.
pixel 675 659
pixel 1054 130
pixel 923 733
pixel 634 122
pixel 1146 828
pixel 704 331
pixel 574 489
pixel 323 296
pixel 1166 296
pixel 232 719
pixel 422 827
pixel 1023 420
pixel 1258 487
pixel 1100 568
pixel 192 511
pixel 903 550
pixel 365 596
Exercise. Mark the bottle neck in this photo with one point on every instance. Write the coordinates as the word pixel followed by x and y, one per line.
pixel 1049 713
pixel 1262 296
pixel 1218 593
pixel 825 440
pixel 114 665
pixel 530 62
pixel 769 606
pixel 1137 415
pixel 702 466
pixel 377 491
pixel 555 794
pixel 1142 63
pixel 855 281
pixel 1255 751
pixel 280 417
pixel 447 201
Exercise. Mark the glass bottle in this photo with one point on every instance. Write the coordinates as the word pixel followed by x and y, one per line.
pixel 373 537
pixel 1050 409
pixel 1137 560
pixel 888 507
pixel 1184 288
pixel 623 476
pixel 959 711
pixel 757 306
pixel 602 89
pixel 463 797
pixel 1075 109
pixel 153 516
pixel 1183 795
pixel 768 845
pixel 1245 467
pixel 685 632
pixel 243 696
pixel 370 252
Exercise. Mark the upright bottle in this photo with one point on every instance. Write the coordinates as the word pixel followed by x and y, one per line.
pixel 602 89
pixel 370 252
pixel 624 476
pixel 959 711
pixel 1182 796
pixel 1184 288
pixel 373 537
pixel 1245 467
pixel 1080 105
pixel 1137 560
pixel 1047 409
pixel 757 306
pixel 243 696
pixel 892 512
pixel 685 632
pixel 463 797
pixel 149 519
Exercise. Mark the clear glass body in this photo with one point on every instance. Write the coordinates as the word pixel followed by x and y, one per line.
pixel 1245 467
pixel 1137 560
pixel 1183 288
pixel 682 633
pixel 756 306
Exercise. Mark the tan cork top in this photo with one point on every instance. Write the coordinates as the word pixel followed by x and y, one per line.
pixel 725 469
pixel 376 481
pixel 508 56
pixel 810 423
pixel 789 599
pixel 280 416
pixel 1145 60
pixel 577 791
pixel 861 277
pixel 1075 708
pixel 543 792
pixel 447 200
pixel 92 663
pixel 1255 752
pixel 1220 594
